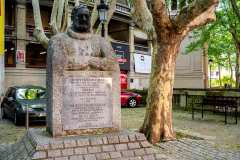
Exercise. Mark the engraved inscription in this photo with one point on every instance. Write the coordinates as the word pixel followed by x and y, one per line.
pixel 87 102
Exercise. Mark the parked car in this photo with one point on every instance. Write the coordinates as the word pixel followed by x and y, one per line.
pixel 130 99
pixel 18 98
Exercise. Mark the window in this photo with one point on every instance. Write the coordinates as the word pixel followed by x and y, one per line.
pixel 10 60
pixel 35 56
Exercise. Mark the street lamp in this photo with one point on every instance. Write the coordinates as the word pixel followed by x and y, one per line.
pixel 102 12
pixel 210 61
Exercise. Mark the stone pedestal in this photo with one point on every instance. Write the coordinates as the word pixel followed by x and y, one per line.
pixel 84 102
pixel 38 145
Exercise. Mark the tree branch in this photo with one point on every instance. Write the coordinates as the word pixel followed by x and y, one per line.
pixel 60 13
pixel 141 15
pixel 94 15
pixel 235 8
pixel 39 32
pixel 65 17
pixel 53 21
pixel 203 19
pixel 195 14
pixel 160 15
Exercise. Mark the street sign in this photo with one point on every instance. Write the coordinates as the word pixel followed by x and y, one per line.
pixel 1 27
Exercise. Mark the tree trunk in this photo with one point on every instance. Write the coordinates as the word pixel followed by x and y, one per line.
pixel 169 32
pixel 205 65
pixel 237 68
pixel 158 118
pixel 230 64
pixel 219 75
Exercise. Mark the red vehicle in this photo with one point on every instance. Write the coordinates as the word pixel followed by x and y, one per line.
pixel 123 81
pixel 130 99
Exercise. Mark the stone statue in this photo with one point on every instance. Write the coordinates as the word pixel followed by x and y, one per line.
pixel 82 81
pixel 79 48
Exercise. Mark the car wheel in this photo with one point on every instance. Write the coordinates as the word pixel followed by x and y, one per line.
pixel 16 119
pixel 132 102
pixel 3 115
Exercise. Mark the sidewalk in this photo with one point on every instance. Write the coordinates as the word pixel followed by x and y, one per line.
pixel 188 149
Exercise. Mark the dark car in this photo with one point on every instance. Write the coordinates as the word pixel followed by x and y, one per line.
pixel 18 98
pixel 130 99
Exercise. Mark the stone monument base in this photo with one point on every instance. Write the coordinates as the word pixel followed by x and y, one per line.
pixel 38 145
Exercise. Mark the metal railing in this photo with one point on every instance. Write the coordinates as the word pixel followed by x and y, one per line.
pixel 120 8
pixel 30 30
pixel 10 31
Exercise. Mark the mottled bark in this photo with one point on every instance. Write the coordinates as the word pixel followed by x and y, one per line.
pixel 158 121
pixel 158 118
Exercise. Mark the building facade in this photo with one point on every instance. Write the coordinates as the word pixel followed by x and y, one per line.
pixel 25 58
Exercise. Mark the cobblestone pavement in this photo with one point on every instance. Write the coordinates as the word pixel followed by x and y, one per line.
pixel 186 149
pixel 189 149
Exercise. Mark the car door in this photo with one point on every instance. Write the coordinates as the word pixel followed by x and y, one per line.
pixel 6 103
pixel 12 103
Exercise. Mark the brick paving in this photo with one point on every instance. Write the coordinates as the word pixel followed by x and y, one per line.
pixel 189 149
pixel 38 145
pixel 182 149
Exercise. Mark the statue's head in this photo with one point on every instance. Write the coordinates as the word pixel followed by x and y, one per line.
pixel 81 19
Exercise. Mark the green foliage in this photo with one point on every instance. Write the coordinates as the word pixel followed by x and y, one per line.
pixel 218 35
pixel 226 81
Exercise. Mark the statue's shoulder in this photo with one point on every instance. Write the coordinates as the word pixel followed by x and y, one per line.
pixel 97 37
pixel 59 37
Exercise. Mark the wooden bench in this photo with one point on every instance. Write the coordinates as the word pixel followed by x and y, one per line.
pixel 218 102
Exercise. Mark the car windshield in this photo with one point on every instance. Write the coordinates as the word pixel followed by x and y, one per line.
pixel 31 93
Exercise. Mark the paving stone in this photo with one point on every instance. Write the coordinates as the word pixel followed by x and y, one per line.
pixel 76 157
pixel 139 152
pixel 56 145
pixel 113 139
pixel 145 144
pixel 89 157
pixel 105 141
pixel 150 150
pixel 108 148
pixel 121 147
pixel 128 153
pixel 96 149
pixel 135 158
pixel 96 141
pixel 83 142
pixel 115 154
pixel 102 156
pixel 81 150
pixel 123 138
pixel 67 152
pixel 132 137
pixel 148 157
pixel 70 144
pixel 121 158
pixel 61 158
pixel 42 147
pixel 54 153
pixel 39 155
pixel 134 145
pixel 140 137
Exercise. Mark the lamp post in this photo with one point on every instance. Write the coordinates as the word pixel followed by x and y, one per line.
pixel 210 61
pixel 102 12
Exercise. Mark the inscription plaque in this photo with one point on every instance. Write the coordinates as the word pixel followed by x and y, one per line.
pixel 87 102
